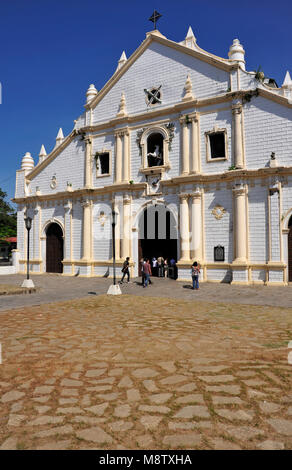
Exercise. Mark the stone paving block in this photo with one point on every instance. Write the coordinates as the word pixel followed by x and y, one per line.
pixel 69 392
pixel 216 378
pixel 121 426
pixel 16 407
pixel 154 409
pixel 193 398
pixel 144 373
pixel 168 366
pixel 150 422
pixel 125 382
pixel 116 372
pixel 13 395
pixel 9 444
pixel 97 409
pixel 122 411
pixel 95 372
pixel 145 441
pixel 190 387
pixel 213 369
pixel 192 411
pixel 236 415
pixel 219 400
pixel 59 430
pixel 53 445
pixel 150 385
pixel 243 433
pixel 16 420
pixel 42 409
pixel 175 425
pixel 189 440
pixel 71 383
pixel 95 434
pixel 67 401
pixel 159 398
pixel 45 419
pixel 282 426
pixel 267 407
pixel 108 396
pixel 271 445
pixel 43 390
pixel 222 444
pixel 230 389
pixel 173 379
pixel 69 410
pixel 133 395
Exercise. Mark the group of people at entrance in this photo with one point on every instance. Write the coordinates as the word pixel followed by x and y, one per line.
pixel 161 267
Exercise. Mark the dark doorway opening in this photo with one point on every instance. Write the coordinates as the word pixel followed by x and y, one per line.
pixel 54 249
pixel 290 250
pixel 157 235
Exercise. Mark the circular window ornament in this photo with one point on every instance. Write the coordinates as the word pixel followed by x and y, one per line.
pixel 153 95
pixel 218 212
pixel 53 182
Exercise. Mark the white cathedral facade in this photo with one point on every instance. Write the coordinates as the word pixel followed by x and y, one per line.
pixel 191 151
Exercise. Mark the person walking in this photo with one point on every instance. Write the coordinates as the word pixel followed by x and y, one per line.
pixel 125 270
pixel 142 262
pixel 166 268
pixel 147 271
pixel 195 275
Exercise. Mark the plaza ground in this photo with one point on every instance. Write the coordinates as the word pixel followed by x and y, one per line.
pixel 164 368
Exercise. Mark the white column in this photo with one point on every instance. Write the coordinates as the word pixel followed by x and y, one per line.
pixel 274 224
pixel 67 225
pixel 196 243
pixel 185 147
pixel 195 163
pixel 86 230
pixel 88 173
pixel 184 228
pixel 240 224
pixel 118 159
pixel 238 153
pixel 126 157
pixel 125 242
pixel 117 229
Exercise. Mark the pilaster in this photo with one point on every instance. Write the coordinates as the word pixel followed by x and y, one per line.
pixel 195 150
pixel 88 153
pixel 184 229
pixel 238 144
pixel 196 225
pixel 185 151
pixel 118 159
pixel 86 230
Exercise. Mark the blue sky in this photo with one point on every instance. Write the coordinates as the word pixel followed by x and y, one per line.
pixel 51 50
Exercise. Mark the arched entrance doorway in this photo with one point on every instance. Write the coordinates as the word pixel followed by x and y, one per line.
pixel 290 250
pixel 54 249
pixel 157 234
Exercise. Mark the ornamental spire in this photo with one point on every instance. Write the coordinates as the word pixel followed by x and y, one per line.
pixel 188 89
pixel 60 137
pixel 42 154
pixel 122 61
pixel 122 111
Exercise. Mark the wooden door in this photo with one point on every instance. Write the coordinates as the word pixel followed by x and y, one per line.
pixel 54 254
pixel 290 251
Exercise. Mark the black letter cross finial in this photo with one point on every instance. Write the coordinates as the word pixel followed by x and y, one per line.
pixel 155 16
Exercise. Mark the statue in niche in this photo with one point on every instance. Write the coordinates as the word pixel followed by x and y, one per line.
pixel 155 158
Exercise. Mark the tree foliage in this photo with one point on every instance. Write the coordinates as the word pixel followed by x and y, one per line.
pixel 7 218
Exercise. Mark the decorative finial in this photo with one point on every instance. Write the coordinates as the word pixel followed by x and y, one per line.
pixel 122 111
pixel 42 154
pixel 287 86
pixel 190 40
pixel 155 17
pixel 188 89
pixel 27 162
pixel 236 53
pixel 122 61
pixel 91 93
pixel 60 137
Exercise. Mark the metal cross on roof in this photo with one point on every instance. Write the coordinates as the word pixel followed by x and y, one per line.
pixel 155 16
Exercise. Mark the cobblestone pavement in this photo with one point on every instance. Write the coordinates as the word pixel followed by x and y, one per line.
pixel 54 287
pixel 132 372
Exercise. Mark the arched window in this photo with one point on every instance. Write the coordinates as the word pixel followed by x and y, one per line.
pixel 155 149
